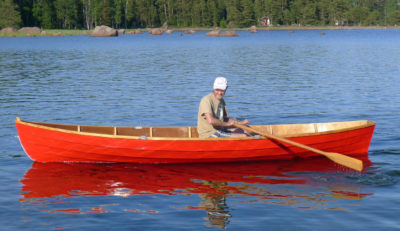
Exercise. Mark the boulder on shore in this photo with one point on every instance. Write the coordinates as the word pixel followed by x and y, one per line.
pixel 190 31
pixel 30 30
pixel 230 33
pixel 156 31
pixel 121 31
pixel 253 29
pixel 104 31
pixel 213 33
pixel 8 30
pixel 217 33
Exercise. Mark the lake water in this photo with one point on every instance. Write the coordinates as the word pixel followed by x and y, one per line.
pixel 274 77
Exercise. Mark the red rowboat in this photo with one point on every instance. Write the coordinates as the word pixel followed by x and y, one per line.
pixel 48 142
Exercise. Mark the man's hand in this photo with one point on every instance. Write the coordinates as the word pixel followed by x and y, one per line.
pixel 244 122
pixel 215 122
pixel 231 122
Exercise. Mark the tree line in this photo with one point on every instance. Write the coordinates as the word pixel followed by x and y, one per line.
pixel 86 14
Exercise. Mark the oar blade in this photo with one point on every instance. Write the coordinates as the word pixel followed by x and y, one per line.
pixel 344 160
pixel 341 159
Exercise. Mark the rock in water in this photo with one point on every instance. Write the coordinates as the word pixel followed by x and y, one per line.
pixel 104 31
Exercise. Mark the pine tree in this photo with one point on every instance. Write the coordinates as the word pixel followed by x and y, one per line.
pixel 9 14
pixel 247 18
pixel 119 13
pixel 107 13
pixel 233 14
pixel 259 11
pixel 394 18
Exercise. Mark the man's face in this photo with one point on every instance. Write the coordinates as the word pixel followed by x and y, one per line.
pixel 219 94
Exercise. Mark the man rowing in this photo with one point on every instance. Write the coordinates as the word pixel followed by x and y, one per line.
pixel 212 119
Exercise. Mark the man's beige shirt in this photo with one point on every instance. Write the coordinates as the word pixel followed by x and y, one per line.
pixel 209 104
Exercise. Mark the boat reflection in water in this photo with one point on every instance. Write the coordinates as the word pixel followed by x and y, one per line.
pixel 315 183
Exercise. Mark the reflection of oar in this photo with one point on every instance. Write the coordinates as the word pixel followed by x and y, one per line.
pixel 335 157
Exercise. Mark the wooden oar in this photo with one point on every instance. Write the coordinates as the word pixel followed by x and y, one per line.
pixel 335 157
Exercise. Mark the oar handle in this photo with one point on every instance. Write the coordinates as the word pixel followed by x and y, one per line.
pixel 336 157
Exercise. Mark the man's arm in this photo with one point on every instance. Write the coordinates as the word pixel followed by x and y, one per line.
pixel 216 122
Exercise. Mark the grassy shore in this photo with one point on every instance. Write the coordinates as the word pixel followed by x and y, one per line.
pixel 55 32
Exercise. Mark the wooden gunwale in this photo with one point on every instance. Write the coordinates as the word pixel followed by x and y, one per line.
pixel 368 123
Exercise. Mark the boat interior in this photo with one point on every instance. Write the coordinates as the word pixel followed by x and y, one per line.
pixel 286 130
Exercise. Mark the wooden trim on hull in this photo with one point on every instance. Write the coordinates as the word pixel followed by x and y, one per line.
pixel 190 133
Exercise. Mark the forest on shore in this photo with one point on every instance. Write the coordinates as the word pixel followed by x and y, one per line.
pixel 86 14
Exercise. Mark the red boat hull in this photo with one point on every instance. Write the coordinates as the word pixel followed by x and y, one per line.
pixel 52 145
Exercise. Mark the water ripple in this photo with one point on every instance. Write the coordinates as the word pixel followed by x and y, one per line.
pixel 376 179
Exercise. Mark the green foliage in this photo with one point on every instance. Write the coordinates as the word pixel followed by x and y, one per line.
pixel 372 18
pixel 9 14
pixel 119 12
pixel 394 18
pixel 86 14
pixel 107 13
pixel 67 13
pixel 247 14
pixel 232 13
pixel 332 12
pixel 43 13
pixel 358 15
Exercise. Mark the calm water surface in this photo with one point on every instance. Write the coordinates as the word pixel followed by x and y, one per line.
pixel 274 77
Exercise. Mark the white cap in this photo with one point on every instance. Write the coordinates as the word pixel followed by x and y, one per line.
pixel 220 83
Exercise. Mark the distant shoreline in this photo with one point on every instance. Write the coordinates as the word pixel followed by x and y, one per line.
pixel 296 28
pixel 56 32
